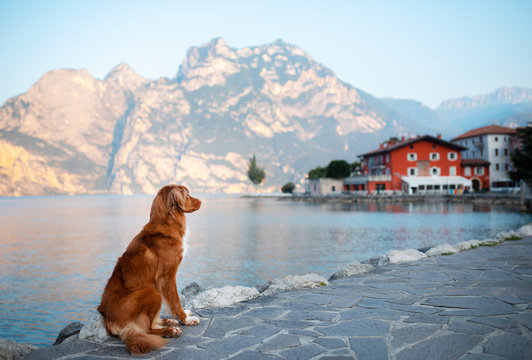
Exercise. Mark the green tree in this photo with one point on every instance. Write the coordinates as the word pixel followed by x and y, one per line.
pixel 288 188
pixel 318 172
pixel 338 169
pixel 522 157
pixel 255 173
pixel 356 167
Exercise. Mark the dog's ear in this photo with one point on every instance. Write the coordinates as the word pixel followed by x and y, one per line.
pixel 177 197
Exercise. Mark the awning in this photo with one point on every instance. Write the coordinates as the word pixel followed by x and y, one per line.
pixel 415 181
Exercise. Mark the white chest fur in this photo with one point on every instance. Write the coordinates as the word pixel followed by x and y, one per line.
pixel 185 241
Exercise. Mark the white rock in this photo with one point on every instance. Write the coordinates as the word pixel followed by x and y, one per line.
pixel 94 330
pixel 225 296
pixel 352 269
pixel 506 234
pixel 489 242
pixel 401 256
pixel 466 245
pixel 442 249
pixel 294 282
pixel 11 350
pixel 525 230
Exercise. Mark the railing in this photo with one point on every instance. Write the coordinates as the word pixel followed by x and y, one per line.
pixel 365 179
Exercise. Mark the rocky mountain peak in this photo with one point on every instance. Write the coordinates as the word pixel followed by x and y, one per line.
pixel 501 96
pixel 124 76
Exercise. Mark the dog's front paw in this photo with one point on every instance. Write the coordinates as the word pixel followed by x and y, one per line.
pixel 191 320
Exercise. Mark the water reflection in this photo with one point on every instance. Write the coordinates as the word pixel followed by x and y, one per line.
pixel 56 253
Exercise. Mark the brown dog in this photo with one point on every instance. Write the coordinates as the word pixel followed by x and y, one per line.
pixel 145 275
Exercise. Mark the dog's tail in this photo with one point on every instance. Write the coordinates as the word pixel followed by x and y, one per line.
pixel 138 342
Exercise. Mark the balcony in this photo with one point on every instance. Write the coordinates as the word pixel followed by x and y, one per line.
pixel 365 179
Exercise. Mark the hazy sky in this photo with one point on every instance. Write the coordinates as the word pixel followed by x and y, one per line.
pixel 423 50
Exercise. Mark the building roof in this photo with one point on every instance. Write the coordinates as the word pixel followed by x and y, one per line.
pixel 410 141
pixel 486 130
pixel 475 162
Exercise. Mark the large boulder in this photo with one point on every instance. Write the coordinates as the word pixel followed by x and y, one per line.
pixel 401 256
pixel 68 331
pixel 11 350
pixel 294 282
pixel 94 330
pixel 525 230
pixel 225 296
pixel 446 249
pixel 466 245
pixel 351 269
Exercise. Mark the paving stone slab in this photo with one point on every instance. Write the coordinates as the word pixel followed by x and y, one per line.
pixel 230 345
pixel 56 351
pixel 282 341
pixel 221 326
pixel 358 327
pixel 509 346
pixel 369 348
pixel 330 343
pixel 412 334
pixel 302 352
pixel 442 347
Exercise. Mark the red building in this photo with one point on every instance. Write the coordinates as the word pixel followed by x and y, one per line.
pixel 424 164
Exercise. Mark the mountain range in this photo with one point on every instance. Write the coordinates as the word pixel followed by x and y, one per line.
pixel 74 134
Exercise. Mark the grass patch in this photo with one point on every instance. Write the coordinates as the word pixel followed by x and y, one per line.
pixel 448 253
pixel 513 238
pixel 323 284
pixel 488 244
pixel 474 246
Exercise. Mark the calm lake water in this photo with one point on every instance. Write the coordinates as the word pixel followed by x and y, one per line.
pixel 56 253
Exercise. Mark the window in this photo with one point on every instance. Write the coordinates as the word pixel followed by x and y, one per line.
pixel 434 156
pixel 333 188
pixel 411 156
pixel 452 156
pixel 436 187
pixel 387 157
pixel 473 154
pixel 421 187
pixel 505 152
pixel 452 170
pixel 435 171
pixel 467 171
pixel 497 167
pixel 445 187
pixel 387 171
pixel 505 139
pixel 506 167
pixel 412 171
pixel 479 170
pixel 496 152
pixel 429 187
pixel 496 139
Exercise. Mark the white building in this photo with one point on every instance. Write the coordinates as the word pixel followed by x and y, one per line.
pixel 325 186
pixel 493 144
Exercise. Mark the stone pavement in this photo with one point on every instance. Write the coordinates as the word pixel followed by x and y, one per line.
pixel 472 305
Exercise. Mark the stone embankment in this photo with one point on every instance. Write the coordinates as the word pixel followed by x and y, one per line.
pixel 475 304
pixel 513 200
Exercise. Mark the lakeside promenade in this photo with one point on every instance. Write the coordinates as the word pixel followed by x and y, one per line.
pixel 476 304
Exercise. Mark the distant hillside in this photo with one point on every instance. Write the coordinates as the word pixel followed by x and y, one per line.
pixel 505 106
pixel 72 133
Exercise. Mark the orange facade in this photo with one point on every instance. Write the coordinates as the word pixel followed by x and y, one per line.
pixel 422 156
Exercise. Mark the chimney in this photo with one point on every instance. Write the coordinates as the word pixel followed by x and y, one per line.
pixel 438 136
